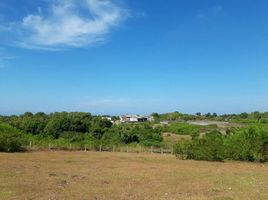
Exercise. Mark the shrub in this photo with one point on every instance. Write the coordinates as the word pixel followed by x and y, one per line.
pixel 247 145
pixel 149 136
pixel 182 149
pixel 11 140
pixel 210 147
pixel 73 136
pixel 111 137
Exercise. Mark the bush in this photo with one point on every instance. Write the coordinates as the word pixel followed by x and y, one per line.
pixel 143 134
pixel 73 136
pixel 111 137
pixel 182 149
pixel 150 137
pixel 249 144
pixel 210 147
pixel 11 140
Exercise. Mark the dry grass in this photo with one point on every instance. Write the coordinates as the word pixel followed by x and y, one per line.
pixel 171 139
pixel 93 175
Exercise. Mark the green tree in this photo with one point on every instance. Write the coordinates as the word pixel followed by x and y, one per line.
pixel 155 115
pixel 99 126
pixel 11 139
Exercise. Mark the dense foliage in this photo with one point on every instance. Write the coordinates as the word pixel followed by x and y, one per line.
pixel 248 144
pixel 129 133
pixel 11 140
pixel 62 129
pixel 242 117
pixel 80 129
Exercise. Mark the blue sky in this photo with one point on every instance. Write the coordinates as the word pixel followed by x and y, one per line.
pixel 123 56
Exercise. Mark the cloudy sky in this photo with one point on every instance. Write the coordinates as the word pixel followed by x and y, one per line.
pixel 123 56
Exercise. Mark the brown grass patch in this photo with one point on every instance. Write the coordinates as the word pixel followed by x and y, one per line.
pixel 106 176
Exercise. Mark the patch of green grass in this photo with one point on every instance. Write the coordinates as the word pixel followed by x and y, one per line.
pixel 6 194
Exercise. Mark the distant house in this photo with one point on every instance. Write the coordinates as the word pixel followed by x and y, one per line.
pixel 133 118
pixel 108 118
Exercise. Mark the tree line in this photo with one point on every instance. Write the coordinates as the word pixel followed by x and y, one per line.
pixel 79 128
pixel 249 143
pixel 256 116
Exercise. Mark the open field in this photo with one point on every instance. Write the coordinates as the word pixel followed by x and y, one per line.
pixel 94 175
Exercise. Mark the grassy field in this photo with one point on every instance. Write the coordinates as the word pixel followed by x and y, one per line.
pixel 92 175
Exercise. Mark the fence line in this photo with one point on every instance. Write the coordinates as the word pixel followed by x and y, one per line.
pixel 102 148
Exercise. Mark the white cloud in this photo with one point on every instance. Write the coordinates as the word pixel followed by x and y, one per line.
pixel 69 23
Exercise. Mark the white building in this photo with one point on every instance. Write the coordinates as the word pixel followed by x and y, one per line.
pixel 133 118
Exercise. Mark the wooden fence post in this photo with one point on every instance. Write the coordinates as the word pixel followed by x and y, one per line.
pixel 100 148
pixel 49 147
pixel 70 147
pixel 30 145
pixel 85 148
pixel 113 148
